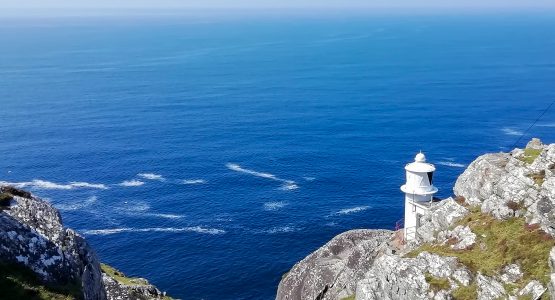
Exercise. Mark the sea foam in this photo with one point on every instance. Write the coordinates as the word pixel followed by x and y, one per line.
pixel 197 229
pixel 133 182
pixel 510 131
pixel 48 185
pixel 270 206
pixel 352 210
pixel 194 181
pixel 288 185
pixel 451 164
pixel 77 205
pixel 151 176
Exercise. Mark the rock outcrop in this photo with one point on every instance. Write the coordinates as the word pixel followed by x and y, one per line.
pixel 331 272
pixel 513 193
pixel 32 234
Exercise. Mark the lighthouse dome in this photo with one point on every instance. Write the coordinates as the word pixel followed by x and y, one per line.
pixel 420 157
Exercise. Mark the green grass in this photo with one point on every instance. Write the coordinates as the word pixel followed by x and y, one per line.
pixel 499 243
pixel 352 297
pixel 437 284
pixel 530 155
pixel 18 282
pixel 5 199
pixel 469 292
pixel 120 277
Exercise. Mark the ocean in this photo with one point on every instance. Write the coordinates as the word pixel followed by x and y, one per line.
pixel 210 155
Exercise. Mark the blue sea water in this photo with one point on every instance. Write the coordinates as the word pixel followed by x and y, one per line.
pixel 210 156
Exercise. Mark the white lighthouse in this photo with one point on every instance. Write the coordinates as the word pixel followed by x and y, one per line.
pixel 419 192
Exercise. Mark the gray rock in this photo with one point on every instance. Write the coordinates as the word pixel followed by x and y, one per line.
pixel 32 234
pixel 438 218
pixel 462 234
pixel 535 143
pixel 118 291
pixel 511 273
pixel 332 271
pixel 534 289
pixel 489 288
pixel 394 277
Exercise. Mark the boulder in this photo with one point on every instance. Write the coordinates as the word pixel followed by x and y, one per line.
pixel 332 271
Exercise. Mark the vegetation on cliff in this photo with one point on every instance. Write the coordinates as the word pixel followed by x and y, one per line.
pixel 499 243
pixel 18 282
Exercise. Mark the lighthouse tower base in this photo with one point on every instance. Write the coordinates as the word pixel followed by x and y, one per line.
pixel 414 210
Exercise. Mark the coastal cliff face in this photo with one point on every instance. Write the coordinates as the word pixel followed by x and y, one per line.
pixel 33 237
pixel 493 240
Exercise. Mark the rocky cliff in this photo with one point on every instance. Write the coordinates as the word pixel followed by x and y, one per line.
pixel 33 238
pixel 492 240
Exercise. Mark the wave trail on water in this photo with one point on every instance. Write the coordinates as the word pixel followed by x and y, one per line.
pixel 130 183
pixel 196 229
pixel 510 131
pixel 48 185
pixel 274 205
pixel 288 185
pixel 352 210
pixel 151 176
pixel 193 181
pixel 77 205
pixel 451 164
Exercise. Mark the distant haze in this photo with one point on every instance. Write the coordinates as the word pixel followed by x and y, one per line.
pixel 47 7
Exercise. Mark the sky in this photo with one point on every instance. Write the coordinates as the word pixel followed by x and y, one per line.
pixel 47 7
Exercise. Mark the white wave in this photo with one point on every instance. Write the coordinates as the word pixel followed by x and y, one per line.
pixel 132 182
pixel 88 185
pixel 151 176
pixel 451 164
pixel 352 210
pixel 309 178
pixel 287 184
pixel 48 185
pixel 167 216
pixel 194 181
pixel 77 205
pixel 546 125
pixel 510 131
pixel 136 206
pixel 197 229
pixel 238 168
pixel 274 205
pixel 281 229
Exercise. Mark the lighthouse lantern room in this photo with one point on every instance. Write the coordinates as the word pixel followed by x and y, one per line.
pixel 419 192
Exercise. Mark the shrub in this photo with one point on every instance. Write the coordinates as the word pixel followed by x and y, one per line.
pixel 437 284
pixel 5 199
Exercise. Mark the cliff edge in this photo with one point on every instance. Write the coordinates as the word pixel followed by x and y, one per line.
pixel 41 259
pixel 492 240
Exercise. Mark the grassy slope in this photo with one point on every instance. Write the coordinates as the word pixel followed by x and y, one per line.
pixel 498 244
pixel 18 282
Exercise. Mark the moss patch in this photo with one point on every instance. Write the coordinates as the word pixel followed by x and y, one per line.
pixel 5 199
pixel 530 155
pixel 538 177
pixel 120 277
pixel 499 243
pixel 466 292
pixel 437 284
pixel 18 282
pixel 352 297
